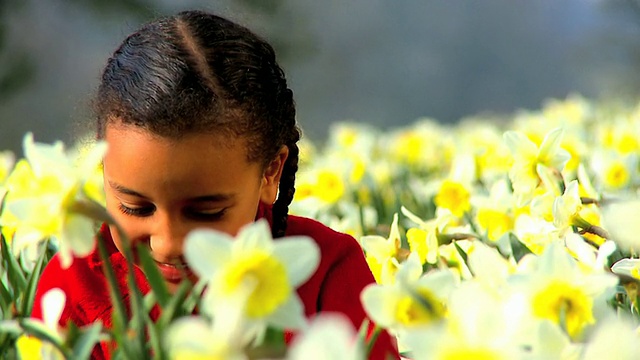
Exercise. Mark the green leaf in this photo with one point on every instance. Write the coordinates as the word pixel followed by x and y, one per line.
pixel 32 284
pixel 519 249
pixel 85 343
pixel 156 281
pixel 42 332
pixel 16 277
pixel 6 300
pixel 173 306
pixel 119 314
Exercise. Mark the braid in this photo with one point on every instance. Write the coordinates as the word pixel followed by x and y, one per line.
pixel 285 193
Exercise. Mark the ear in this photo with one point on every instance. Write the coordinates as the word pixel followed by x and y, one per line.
pixel 271 177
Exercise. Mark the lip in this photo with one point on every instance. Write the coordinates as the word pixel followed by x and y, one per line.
pixel 173 273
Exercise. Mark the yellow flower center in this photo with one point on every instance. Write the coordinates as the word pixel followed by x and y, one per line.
pixel 453 196
pixel 465 353
pixel 267 274
pixel 565 305
pixel 495 222
pixel 419 308
pixel 616 176
pixel 330 186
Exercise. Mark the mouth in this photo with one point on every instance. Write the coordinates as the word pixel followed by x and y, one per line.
pixel 174 273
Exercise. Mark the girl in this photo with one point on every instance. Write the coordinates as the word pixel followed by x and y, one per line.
pixel 201 131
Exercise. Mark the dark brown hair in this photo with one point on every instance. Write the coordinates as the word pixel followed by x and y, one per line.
pixel 198 72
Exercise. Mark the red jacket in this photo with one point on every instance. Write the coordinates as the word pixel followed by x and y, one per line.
pixel 335 286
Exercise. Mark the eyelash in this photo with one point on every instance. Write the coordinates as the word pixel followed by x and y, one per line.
pixel 148 211
pixel 140 212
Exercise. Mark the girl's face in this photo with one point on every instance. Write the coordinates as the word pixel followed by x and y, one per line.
pixel 158 189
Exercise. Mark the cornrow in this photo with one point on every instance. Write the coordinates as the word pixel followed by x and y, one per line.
pixel 285 194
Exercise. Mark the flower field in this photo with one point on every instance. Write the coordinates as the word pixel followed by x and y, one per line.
pixel 511 237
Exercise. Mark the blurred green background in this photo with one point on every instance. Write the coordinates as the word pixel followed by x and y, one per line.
pixel 382 62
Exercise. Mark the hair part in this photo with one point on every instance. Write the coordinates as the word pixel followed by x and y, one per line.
pixel 197 72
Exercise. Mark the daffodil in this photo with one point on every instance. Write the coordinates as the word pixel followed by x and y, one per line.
pixel 7 159
pixel 223 335
pixel 478 326
pixel 271 270
pixel 454 196
pixel 424 239
pixel 620 219
pixel 563 294
pixel 329 337
pixel 629 267
pixel 616 338
pixel 527 155
pixel 43 190
pixel 384 255
pixel 413 301
pixel 30 347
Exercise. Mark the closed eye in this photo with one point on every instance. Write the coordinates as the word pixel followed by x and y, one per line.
pixel 143 211
pixel 205 215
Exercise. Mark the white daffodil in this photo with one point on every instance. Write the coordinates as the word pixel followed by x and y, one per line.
pixel 42 191
pixel 559 291
pixel 494 213
pixel 629 267
pixel 620 219
pixel 223 336
pixel 527 155
pixel 7 159
pixel 534 232
pixel 478 326
pixel 590 258
pixel 272 270
pixel 424 240
pixel 618 331
pixel 566 208
pixel 414 300
pixel 383 255
pixel 329 337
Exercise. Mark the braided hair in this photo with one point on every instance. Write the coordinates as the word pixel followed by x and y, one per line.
pixel 198 72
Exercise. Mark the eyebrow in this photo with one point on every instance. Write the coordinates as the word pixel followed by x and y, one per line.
pixel 205 198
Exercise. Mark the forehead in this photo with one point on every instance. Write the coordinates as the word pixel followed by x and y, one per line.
pixel 140 159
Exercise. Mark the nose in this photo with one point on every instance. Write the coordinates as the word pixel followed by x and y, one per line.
pixel 167 239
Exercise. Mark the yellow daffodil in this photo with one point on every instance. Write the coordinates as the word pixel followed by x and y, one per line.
pixel 42 192
pixel 527 155
pixel 271 270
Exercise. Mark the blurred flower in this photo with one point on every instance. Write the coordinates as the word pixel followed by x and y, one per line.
pixel 453 196
pixel 329 337
pixel 527 156
pixel 225 336
pixel 384 255
pixel 560 292
pixel 42 192
pixel 270 270
pixel 615 338
pixel 620 219
pixel 29 347
pixel 7 160
pixel 413 300
pixel 479 329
